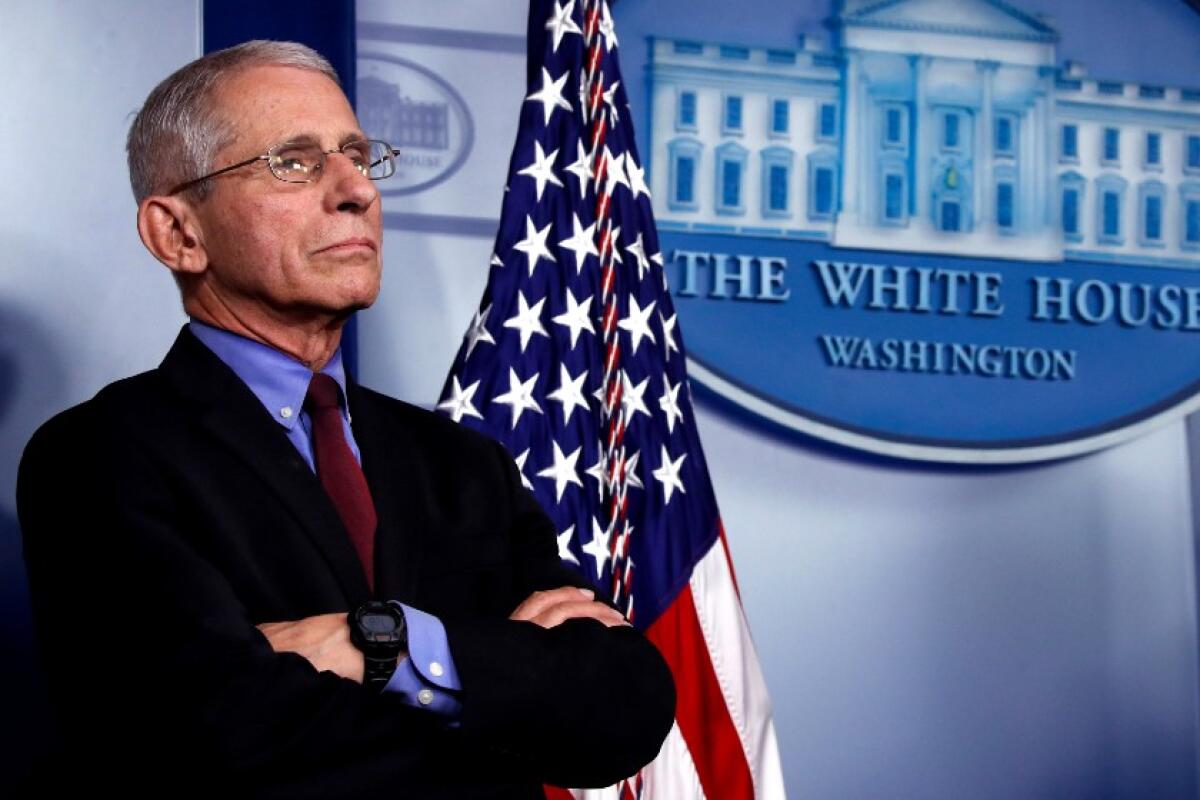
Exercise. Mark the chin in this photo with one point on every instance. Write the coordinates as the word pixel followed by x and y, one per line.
pixel 359 290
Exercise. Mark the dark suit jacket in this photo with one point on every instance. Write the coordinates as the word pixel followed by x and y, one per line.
pixel 169 515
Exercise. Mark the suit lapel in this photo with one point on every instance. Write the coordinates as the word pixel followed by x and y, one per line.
pixel 236 418
pixel 397 487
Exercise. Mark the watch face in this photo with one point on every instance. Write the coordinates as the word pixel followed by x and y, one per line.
pixel 379 626
pixel 378 630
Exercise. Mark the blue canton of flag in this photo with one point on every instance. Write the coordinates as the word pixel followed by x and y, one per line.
pixel 574 358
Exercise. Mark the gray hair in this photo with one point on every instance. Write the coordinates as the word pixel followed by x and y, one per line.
pixel 179 131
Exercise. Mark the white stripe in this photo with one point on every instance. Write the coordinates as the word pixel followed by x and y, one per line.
pixel 672 776
pixel 736 666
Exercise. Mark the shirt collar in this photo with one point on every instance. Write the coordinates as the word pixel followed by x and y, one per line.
pixel 279 381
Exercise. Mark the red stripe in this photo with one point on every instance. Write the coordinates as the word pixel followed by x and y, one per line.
pixel 602 203
pixel 605 232
pixel 596 95
pixel 593 59
pixel 599 129
pixel 610 278
pixel 614 395
pixel 555 793
pixel 700 710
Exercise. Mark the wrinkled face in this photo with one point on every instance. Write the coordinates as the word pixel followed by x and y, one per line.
pixel 290 252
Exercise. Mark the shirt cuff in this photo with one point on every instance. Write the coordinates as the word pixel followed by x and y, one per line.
pixel 426 678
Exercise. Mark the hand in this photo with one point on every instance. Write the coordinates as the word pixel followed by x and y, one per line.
pixel 555 606
pixel 324 640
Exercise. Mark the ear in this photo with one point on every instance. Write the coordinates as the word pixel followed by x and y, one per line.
pixel 171 232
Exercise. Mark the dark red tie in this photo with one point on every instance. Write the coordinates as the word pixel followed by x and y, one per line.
pixel 339 471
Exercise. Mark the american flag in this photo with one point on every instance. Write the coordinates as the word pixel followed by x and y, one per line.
pixel 575 361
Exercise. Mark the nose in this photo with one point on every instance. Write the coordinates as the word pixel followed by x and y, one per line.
pixel 347 189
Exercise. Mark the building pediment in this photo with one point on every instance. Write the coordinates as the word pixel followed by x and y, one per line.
pixel 992 19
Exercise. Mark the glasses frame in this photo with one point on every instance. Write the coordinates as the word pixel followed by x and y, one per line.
pixel 270 154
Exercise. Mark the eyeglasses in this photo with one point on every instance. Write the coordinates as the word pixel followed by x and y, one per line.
pixel 305 163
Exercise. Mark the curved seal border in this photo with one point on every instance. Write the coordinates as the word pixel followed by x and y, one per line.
pixel 463 111
pixel 1068 445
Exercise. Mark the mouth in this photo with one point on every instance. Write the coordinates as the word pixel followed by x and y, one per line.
pixel 353 245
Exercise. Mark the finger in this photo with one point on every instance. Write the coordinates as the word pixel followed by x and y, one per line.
pixel 562 612
pixel 565 611
pixel 540 602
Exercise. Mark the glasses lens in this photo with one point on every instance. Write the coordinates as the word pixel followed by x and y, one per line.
pixel 359 154
pixel 382 164
pixel 296 163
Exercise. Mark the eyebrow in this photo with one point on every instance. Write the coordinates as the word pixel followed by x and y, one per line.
pixel 312 138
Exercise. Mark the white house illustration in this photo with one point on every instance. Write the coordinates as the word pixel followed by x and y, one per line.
pixel 932 126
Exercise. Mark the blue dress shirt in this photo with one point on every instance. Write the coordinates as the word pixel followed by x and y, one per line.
pixel 426 677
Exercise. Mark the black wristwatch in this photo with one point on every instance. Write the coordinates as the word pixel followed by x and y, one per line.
pixel 378 630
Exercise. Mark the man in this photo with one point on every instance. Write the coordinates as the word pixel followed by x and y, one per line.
pixel 204 540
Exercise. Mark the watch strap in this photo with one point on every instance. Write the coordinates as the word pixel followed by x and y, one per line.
pixel 378 671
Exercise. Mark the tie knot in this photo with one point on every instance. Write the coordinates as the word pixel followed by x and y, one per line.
pixel 322 392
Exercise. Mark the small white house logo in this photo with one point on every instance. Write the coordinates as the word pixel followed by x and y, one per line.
pixel 418 113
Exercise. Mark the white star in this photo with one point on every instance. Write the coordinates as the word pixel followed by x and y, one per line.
pixel 561 23
pixel 597 548
pixel 608 29
pixel 631 476
pixel 616 241
pixel 622 542
pixel 550 95
pixel 668 326
pixel 458 404
pixel 519 396
pixel 581 168
pixel 610 245
pixel 534 243
pixel 610 100
pixel 637 323
pixel 615 172
pixel 478 331
pixel 496 262
pixel 668 474
pixel 601 395
pixel 563 471
pixel 631 398
pixel 564 546
pixel 638 251
pixel 582 243
pixel 629 469
pixel 569 392
pixel 542 169
pixel 521 459
pixel 583 94
pixel 669 402
pixel 527 320
pixel 576 318
pixel 637 177
pixel 597 471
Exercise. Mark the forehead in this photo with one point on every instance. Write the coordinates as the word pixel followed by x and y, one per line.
pixel 269 104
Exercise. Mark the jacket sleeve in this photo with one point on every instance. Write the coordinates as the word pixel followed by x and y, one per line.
pixel 580 704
